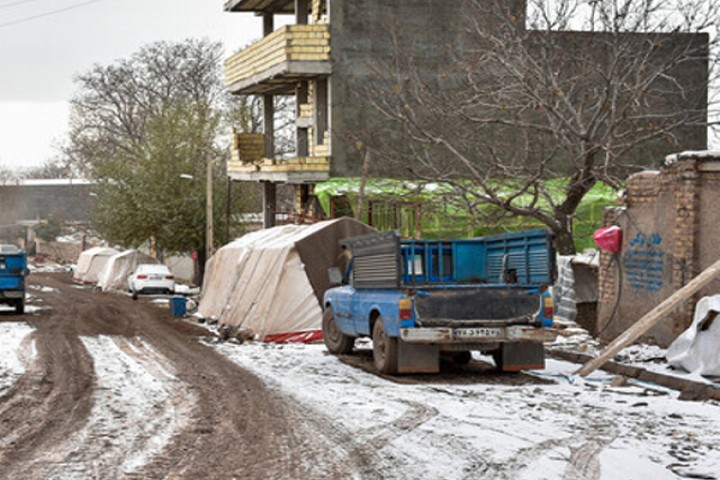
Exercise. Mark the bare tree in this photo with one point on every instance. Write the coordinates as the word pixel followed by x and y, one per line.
pixel 245 115
pixel 578 90
pixel 144 129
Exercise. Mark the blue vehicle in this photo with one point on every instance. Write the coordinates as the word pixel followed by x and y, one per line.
pixel 418 299
pixel 13 269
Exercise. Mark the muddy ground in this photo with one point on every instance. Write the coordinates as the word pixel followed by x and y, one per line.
pixel 110 388
pixel 232 425
pixel 238 428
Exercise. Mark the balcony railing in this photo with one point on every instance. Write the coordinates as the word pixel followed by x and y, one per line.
pixel 277 62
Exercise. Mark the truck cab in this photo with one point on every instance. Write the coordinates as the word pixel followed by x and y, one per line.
pixel 13 269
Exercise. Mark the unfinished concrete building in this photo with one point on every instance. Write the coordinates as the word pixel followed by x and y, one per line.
pixel 327 58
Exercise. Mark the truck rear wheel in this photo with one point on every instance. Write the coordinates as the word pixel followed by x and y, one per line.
pixel 385 350
pixel 336 342
pixel 20 307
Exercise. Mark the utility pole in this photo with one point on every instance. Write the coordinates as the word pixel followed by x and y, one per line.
pixel 209 241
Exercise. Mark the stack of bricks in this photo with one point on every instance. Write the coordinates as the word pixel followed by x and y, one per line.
pixel 319 11
pixel 248 147
pixel 324 149
pixel 306 110
pixel 643 187
pixel 289 43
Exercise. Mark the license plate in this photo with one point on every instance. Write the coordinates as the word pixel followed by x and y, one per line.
pixel 155 277
pixel 477 333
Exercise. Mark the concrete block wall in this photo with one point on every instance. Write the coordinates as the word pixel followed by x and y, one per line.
pixel 367 35
pixel 32 200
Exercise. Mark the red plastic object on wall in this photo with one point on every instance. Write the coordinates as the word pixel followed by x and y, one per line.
pixel 609 238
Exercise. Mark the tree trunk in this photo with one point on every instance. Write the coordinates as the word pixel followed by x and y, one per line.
pixel 363 181
pixel 564 242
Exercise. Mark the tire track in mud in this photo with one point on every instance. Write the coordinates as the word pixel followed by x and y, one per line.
pixel 362 451
pixel 237 428
pixel 242 430
pixel 583 462
pixel 416 415
pixel 137 407
pixel 25 353
pixel 49 402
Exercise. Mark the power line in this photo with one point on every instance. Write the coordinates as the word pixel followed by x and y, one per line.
pixel 47 14
pixel 19 2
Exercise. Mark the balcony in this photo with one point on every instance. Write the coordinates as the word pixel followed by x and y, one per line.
pixel 260 6
pixel 276 63
pixel 248 165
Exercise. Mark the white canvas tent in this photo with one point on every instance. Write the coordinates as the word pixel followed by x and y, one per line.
pixel 118 267
pixel 697 350
pixel 91 262
pixel 270 282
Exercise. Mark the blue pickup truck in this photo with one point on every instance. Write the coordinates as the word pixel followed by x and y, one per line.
pixel 418 299
pixel 13 269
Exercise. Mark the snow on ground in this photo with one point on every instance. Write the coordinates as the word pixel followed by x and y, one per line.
pixel 16 353
pixel 43 289
pixel 29 309
pixel 139 404
pixel 570 428
pixel 649 357
pixel 181 289
pixel 49 267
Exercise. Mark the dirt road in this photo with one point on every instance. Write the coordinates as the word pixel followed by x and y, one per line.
pixel 205 418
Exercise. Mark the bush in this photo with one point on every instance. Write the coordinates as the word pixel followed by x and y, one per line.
pixel 49 230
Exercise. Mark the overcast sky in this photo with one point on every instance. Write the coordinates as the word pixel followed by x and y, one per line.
pixel 39 56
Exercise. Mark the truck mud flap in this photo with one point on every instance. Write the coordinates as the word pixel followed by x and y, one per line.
pixel 418 358
pixel 513 357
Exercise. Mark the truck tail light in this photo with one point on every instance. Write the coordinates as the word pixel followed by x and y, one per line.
pixel 405 308
pixel 142 277
pixel 548 306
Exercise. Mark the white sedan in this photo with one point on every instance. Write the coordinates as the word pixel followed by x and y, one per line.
pixel 150 278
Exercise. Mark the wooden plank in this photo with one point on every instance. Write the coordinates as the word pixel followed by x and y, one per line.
pixel 650 319
pixel 689 389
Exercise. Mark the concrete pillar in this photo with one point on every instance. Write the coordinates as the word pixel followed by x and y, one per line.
pixel 301 12
pixel 269 204
pixel 321 110
pixel 269 124
pixel 268 24
pixel 301 134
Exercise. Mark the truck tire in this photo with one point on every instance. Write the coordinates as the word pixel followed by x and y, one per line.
pixel 385 350
pixel 20 307
pixel 336 342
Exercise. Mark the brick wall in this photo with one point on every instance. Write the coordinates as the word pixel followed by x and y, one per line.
pixel 669 236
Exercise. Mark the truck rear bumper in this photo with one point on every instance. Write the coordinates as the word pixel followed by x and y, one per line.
pixel 477 335
pixel 11 294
